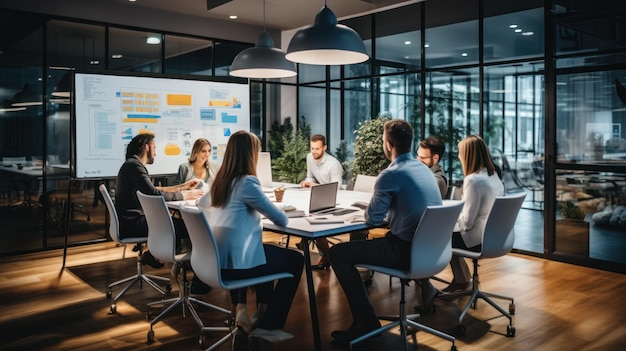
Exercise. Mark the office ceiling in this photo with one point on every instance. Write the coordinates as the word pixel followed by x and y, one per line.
pixel 279 14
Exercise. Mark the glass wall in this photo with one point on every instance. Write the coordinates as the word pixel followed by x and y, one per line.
pixel 36 68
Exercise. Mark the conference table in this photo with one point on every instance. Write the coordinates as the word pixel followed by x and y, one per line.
pixel 301 227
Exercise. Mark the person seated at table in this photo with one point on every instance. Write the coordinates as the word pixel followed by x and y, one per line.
pixel 133 176
pixel 237 202
pixel 430 152
pixel 481 186
pixel 401 194
pixel 199 165
pixel 321 168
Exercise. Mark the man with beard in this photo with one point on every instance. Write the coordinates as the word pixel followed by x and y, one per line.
pixel 134 176
pixel 430 151
pixel 321 168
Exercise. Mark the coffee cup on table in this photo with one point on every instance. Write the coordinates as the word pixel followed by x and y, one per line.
pixel 278 193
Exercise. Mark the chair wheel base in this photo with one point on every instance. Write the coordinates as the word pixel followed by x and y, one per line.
pixel 510 331
pixel 113 309
pixel 150 337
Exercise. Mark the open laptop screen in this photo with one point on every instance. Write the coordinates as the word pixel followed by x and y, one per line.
pixel 323 197
pixel 264 170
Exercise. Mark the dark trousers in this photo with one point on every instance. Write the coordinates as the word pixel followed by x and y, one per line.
pixel 277 297
pixel 389 251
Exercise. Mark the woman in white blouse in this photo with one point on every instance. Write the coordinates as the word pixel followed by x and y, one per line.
pixel 481 186
pixel 237 202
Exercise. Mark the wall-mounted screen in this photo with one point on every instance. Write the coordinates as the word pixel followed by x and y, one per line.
pixel 111 109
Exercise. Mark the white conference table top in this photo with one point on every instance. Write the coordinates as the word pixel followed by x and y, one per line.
pixel 299 226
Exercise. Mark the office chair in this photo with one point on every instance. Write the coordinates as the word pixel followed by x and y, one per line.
pixel 140 277
pixel 162 244
pixel 205 260
pixel 497 241
pixel 431 251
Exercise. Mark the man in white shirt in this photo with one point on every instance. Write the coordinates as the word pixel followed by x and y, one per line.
pixel 321 168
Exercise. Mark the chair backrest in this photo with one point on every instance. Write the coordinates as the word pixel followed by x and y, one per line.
pixel 161 233
pixel 499 235
pixel 205 256
pixel 431 248
pixel 364 183
pixel 114 227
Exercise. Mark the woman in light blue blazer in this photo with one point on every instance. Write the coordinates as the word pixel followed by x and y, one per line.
pixel 237 202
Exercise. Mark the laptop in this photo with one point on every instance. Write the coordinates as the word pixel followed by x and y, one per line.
pixel 324 199
pixel 264 172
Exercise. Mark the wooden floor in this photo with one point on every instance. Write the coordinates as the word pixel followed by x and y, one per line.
pixel 558 307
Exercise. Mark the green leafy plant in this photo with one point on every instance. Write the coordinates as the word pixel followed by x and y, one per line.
pixel 289 150
pixel 369 157
pixel 571 210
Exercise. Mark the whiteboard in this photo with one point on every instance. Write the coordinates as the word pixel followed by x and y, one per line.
pixel 111 109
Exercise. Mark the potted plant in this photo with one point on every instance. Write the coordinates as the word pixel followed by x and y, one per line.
pixel 369 157
pixel 572 231
pixel 289 150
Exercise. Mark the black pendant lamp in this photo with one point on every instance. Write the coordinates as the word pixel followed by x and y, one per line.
pixel 327 43
pixel 263 60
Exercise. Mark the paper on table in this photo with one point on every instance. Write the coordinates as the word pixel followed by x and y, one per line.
pixel 323 219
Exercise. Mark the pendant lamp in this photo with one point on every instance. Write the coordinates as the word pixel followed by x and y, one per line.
pixel 263 60
pixel 326 43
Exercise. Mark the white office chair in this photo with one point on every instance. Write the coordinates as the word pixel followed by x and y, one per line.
pixel 431 251
pixel 162 244
pixel 498 239
pixel 140 277
pixel 205 260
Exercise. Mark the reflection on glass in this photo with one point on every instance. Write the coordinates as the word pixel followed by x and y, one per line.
pixel 591 116
pixel 131 51
pixel 591 216
pixel 189 56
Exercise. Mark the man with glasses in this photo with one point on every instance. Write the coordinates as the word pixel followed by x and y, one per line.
pixel 430 151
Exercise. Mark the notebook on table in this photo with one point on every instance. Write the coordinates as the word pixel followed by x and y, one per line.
pixel 324 200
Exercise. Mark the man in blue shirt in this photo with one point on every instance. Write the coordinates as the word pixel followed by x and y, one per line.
pixel 401 194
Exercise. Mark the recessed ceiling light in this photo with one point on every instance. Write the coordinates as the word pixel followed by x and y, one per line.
pixel 233 17
pixel 132 0
pixel 94 62
pixel 408 42
pixel 512 25
pixel 518 30
pixel 528 33
pixel 427 44
pixel 406 57
pixel 464 54
pixel 153 40
pixel 116 56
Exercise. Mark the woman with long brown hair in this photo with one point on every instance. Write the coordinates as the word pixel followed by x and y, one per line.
pixel 237 202
pixel 481 186
pixel 199 165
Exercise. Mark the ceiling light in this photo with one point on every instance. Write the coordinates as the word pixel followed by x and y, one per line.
pixel 233 17
pixel 408 42
pixel 518 30
pixel 153 40
pixel 117 56
pixel 327 43
pixel 427 44
pixel 263 60
pixel 94 62
pixel 464 54
pixel 512 25
pixel 528 33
